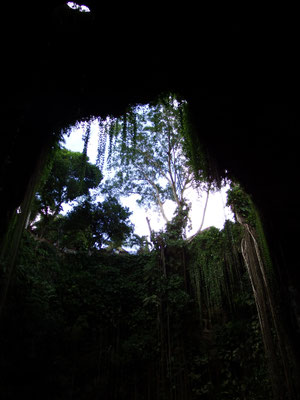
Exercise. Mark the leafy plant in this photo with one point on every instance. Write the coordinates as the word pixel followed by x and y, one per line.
pixel 91 225
pixel 69 177
pixel 241 204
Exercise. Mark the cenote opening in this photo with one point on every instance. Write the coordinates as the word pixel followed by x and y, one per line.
pixel 92 309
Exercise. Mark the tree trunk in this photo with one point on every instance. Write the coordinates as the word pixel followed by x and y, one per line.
pixel 203 216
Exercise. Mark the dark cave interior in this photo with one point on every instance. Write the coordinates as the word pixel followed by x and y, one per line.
pixel 61 66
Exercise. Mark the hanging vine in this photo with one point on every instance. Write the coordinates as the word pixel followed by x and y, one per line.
pixel 260 271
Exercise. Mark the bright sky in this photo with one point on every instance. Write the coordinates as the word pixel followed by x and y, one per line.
pixel 216 212
pixel 79 7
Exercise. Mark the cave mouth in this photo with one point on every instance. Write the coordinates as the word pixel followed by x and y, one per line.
pixel 95 137
pixel 160 323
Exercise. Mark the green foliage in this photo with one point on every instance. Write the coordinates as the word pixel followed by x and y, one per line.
pixel 88 225
pixel 193 148
pixel 89 325
pixel 140 242
pixel 174 233
pixel 70 176
pixel 207 266
pixel 175 229
pixel 175 322
pixel 240 361
pixel 230 326
pixel 241 204
pixel 91 225
pixel 200 160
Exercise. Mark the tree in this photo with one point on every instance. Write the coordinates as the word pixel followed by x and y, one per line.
pixel 148 157
pixel 91 225
pixel 70 176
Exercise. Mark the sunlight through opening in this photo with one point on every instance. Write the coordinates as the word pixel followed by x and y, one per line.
pixel 78 7
pixel 210 210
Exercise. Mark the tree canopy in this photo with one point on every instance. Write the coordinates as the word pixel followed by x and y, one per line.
pixel 70 176
pixel 148 159
pixel 93 224
pixel 89 224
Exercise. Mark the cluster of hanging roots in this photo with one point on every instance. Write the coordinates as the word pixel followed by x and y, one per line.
pixel 277 351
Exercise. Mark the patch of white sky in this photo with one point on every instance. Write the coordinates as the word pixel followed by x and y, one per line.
pixel 216 213
pixel 79 7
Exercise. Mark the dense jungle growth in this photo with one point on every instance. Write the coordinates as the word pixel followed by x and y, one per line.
pixel 180 319
pixel 108 326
